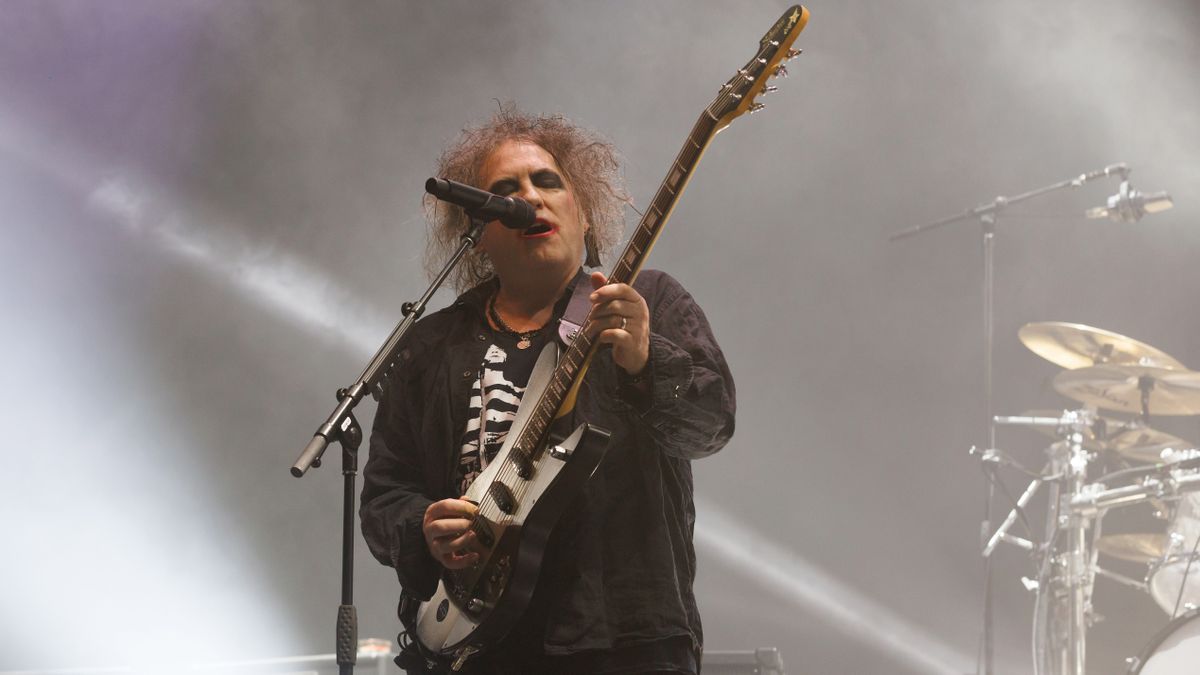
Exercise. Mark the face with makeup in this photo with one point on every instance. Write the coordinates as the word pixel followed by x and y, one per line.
pixel 554 246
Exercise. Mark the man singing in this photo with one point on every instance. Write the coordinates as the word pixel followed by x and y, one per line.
pixel 614 593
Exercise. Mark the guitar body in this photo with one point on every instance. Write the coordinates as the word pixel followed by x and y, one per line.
pixel 533 478
pixel 475 607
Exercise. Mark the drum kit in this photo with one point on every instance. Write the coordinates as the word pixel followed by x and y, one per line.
pixel 1098 463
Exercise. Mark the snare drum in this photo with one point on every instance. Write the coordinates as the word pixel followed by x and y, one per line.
pixel 1171 572
pixel 1175 650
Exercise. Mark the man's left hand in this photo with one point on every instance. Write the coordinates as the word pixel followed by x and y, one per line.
pixel 621 318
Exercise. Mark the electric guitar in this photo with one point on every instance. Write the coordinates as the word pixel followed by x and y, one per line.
pixel 535 475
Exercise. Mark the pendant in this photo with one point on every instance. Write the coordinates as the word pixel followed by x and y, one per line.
pixel 523 343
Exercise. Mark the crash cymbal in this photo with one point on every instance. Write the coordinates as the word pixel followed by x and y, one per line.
pixel 1074 345
pixel 1143 444
pixel 1169 391
pixel 1138 548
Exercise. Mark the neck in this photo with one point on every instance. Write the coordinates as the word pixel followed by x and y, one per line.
pixel 527 302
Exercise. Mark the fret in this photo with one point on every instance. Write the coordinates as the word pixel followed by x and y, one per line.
pixel 709 113
pixel 673 181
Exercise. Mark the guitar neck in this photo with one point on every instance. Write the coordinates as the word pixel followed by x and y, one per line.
pixel 558 397
pixel 651 225
pixel 737 96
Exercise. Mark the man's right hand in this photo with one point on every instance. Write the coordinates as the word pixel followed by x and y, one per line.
pixel 447 532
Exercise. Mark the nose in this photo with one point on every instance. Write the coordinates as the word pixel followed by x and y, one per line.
pixel 531 194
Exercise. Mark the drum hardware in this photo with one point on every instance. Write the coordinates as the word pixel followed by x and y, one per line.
pixel 1094 498
pixel 1067 575
pixel 1122 579
pixel 1058 424
pixel 1109 371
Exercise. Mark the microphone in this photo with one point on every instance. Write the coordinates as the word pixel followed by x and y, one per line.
pixel 1129 205
pixel 512 212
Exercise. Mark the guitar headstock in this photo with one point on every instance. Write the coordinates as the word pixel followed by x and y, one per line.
pixel 739 93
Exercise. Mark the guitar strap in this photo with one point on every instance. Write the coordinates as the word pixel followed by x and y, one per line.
pixel 577 310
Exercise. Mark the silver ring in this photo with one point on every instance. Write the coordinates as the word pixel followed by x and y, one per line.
pixel 624 322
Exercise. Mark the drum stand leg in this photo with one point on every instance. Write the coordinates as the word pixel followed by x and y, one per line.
pixel 1074 605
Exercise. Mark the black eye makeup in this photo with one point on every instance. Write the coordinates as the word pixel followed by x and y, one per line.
pixel 543 178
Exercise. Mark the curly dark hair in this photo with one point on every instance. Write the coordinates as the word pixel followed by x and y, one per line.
pixel 589 165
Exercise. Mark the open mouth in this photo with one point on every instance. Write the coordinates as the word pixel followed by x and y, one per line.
pixel 538 229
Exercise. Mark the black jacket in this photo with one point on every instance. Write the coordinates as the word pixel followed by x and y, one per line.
pixel 621 564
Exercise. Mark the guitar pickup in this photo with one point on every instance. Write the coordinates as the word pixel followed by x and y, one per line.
pixel 503 497
pixel 522 461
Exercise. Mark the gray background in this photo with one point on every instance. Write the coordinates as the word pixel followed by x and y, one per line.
pixel 211 214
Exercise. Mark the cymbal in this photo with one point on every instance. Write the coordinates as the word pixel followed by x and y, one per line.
pixel 1138 548
pixel 1074 345
pixel 1143 444
pixel 1172 392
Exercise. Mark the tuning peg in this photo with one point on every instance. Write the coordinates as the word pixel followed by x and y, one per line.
pixel 774 43
pixel 736 96
pixel 770 90
pixel 748 76
pixel 781 70
pixel 793 53
pixel 755 107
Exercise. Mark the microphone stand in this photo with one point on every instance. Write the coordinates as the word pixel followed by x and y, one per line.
pixel 343 428
pixel 987 214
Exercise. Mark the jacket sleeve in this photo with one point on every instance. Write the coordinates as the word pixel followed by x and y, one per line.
pixel 395 495
pixel 689 412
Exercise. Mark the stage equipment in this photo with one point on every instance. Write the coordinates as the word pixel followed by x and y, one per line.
pixel 1110 371
pixel 1129 205
pixel 342 427
pixel 765 661
pixel 1074 345
pixel 512 212
pixel 987 215
pixel 1135 389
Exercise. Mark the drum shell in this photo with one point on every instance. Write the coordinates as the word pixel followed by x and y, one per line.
pixel 1173 570
pixel 1174 650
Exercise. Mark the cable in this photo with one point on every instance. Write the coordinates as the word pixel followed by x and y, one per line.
pixel 1183 582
